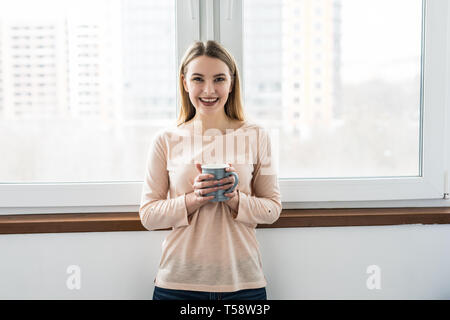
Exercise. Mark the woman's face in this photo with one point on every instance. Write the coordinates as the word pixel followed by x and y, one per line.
pixel 207 79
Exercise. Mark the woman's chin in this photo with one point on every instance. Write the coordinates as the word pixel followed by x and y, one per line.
pixel 209 110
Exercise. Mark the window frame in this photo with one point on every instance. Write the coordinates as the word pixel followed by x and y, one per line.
pixel 222 20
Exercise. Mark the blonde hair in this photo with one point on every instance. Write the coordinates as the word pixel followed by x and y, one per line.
pixel 233 106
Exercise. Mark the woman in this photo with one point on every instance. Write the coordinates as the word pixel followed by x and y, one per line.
pixel 211 251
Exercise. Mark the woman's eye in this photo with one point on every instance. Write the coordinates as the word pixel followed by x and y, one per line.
pixel 200 79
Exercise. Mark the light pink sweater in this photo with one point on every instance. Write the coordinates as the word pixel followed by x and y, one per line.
pixel 210 250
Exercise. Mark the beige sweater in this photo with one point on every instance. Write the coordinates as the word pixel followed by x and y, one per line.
pixel 210 250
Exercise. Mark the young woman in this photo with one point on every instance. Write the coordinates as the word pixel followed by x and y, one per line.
pixel 211 251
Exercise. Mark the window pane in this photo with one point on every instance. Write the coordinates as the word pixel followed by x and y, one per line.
pixel 339 81
pixel 83 86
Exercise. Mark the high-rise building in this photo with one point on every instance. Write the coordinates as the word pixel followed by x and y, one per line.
pixel 262 60
pixel 94 54
pixel 311 62
pixel 32 77
pixel 149 70
pixel 291 62
pixel 66 66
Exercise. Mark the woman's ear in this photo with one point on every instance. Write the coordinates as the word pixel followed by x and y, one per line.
pixel 184 83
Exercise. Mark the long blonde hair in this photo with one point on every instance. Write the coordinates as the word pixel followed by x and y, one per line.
pixel 233 106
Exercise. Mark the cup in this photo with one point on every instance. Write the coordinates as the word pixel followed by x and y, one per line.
pixel 218 170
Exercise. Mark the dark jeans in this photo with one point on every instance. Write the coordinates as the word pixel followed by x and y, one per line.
pixel 246 294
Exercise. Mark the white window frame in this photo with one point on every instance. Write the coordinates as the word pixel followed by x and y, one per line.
pixel 222 21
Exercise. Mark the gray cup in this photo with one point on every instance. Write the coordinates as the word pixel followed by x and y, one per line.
pixel 218 170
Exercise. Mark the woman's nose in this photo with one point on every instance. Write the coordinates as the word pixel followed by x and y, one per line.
pixel 208 88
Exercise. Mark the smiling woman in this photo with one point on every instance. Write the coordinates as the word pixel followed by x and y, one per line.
pixel 212 246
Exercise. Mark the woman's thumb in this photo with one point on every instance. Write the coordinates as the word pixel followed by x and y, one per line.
pixel 199 167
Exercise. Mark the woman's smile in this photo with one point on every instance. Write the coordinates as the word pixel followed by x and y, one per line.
pixel 209 102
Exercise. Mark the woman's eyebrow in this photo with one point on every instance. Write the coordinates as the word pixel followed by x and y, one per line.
pixel 199 74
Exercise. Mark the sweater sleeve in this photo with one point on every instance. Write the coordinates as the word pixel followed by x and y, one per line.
pixel 156 211
pixel 263 206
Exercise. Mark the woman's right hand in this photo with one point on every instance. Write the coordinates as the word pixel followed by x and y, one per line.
pixel 198 198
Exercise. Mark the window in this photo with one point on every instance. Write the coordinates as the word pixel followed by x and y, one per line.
pixel 366 123
pixel 111 83
pixel 362 136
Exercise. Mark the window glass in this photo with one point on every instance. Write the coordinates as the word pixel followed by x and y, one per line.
pixel 83 87
pixel 350 74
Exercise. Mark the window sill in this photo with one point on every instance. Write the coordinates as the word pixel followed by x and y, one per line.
pixel 290 218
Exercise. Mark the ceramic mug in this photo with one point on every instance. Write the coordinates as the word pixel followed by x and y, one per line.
pixel 218 170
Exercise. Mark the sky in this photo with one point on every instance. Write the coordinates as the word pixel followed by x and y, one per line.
pixel 379 36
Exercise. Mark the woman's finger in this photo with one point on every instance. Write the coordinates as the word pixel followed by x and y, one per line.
pixel 230 168
pixel 231 194
pixel 202 197
pixel 203 176
pixel 199 193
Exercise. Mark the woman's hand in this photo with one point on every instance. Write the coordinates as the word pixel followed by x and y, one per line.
pixel 233 202
pixel 197 198
pixel 230 180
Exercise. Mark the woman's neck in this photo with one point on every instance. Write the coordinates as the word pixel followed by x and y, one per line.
pixel 203 124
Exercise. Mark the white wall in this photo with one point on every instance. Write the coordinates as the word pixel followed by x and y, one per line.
pixel 299 263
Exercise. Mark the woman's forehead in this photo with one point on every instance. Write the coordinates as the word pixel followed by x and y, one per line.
pixel 207 66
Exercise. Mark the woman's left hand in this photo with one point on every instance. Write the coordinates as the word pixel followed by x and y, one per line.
pixel 233 201
pixel 233 194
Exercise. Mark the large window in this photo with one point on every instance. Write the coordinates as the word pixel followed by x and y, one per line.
pixel 353 93
pixel 344 87
pixel 84 84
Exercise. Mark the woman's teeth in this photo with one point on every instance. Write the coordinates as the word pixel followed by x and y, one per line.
pixel 209 100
